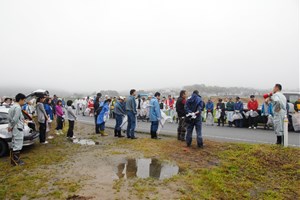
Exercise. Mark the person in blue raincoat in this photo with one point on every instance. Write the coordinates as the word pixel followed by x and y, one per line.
pixel 154 115
pixel 210 107
pixel 101 117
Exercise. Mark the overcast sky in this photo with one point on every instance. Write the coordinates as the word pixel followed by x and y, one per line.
pixel 122 44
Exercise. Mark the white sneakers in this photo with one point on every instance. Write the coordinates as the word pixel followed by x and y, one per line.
pixel 46 142
pixel 250 127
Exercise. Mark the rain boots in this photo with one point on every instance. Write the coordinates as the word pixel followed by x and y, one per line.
pixel 116 133
pixel 15 158
pixel 103 133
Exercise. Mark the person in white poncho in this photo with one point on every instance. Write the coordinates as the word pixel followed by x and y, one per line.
pixel 279 109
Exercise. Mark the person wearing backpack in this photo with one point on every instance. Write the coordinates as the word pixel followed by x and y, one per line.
pixel 103 115
pixel 120 112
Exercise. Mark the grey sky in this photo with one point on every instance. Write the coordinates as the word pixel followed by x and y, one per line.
pixel 93 45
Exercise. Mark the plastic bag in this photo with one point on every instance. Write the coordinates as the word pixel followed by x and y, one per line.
pixel 124 123
pixel 230 116
pixel 209 119
pixel 270 120
pixel 296 121
pixel 218 114
pixel 237 116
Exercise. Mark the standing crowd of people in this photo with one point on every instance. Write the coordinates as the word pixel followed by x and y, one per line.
pixel 188 111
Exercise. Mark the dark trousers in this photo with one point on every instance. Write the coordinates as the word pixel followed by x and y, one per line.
pixel 131 124
pixel 181 130
pixel 102 126
pixel 197 123
pixel 59 121
pixel 97 126
pixel 239 123
pixel 119 119
pixel 154 127
pixel 253 121
pixel 221 119
pixel 42 130
pixel 71 128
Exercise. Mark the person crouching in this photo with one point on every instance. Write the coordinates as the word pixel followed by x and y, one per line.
pixel 120 112
pixel 102 117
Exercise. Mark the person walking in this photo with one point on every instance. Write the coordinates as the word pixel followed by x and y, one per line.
pixel 120 112
pixel 155 115
pixel 193 108
pixel 181 130
pixel 131 114
pixel 16 127
pixel 42 119
pixel 72 118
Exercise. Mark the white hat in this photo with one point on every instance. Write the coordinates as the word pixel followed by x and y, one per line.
pixel 122 98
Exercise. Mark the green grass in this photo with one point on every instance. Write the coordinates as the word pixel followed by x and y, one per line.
pixel 227 171
pixel 27 180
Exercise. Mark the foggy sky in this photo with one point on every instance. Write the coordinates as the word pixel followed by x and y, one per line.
pixel 122 44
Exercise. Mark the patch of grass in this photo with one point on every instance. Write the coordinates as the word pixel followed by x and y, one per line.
pixel 226 170
pixel 28 180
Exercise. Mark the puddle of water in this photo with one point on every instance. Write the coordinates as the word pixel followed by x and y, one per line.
pixel 84 142
pixel 145 168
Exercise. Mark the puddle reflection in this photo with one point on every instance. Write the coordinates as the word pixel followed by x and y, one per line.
pixel 145 168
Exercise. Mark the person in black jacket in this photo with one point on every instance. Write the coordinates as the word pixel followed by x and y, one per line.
pixel 181 115
pixel 221 108
pixel 96 109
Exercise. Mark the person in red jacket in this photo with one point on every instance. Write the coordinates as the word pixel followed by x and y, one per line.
pixel 252 107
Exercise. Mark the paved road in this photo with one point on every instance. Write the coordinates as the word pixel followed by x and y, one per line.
pixel 216 133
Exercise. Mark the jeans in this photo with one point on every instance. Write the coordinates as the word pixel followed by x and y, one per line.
pixel 190 127
pixel 131 124
pixel 97 126
pixel 119 120
pixel 102 126
pixel 154 127
pixel 42 132
pixel 71 128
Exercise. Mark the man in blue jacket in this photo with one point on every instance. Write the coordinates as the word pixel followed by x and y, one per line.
pixel 131 114
pixel 193 109
pixel 210 107
pixel 238 109
pixel 154 115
